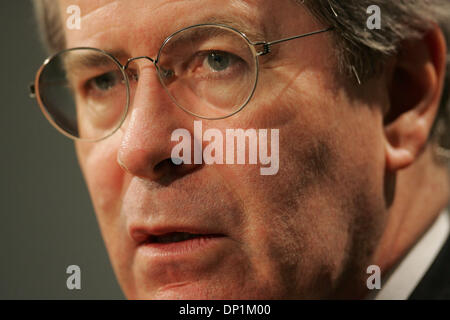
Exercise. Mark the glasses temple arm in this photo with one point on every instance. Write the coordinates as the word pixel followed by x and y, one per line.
pixel 267 45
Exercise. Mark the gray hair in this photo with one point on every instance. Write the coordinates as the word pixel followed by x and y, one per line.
pixel 50 25
pixel 358 49
pixel 364 51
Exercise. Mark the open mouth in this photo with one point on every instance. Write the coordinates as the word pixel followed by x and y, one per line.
pixel 174 237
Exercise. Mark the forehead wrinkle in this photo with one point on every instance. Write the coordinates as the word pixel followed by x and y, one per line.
pixel 252 32
pixel 96 7
pixel 242 16
pixel 93 7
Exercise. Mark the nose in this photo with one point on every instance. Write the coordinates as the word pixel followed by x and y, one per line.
pixel 145 147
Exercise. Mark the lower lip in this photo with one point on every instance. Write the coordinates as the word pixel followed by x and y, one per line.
pixel 183 247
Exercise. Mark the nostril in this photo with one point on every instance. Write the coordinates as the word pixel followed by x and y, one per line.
pixel 166 164
pixel 172 165
pixel 168 171
pixel 165 171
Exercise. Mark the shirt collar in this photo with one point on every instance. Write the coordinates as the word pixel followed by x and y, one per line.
pixel 402 280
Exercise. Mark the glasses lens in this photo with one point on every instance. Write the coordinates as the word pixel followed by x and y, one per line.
pixel 84 93
pixel 209 71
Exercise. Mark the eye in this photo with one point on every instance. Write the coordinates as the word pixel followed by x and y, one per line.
pixel 104 82
pixel 219 61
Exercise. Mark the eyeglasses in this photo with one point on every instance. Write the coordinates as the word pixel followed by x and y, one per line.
pixel 208 70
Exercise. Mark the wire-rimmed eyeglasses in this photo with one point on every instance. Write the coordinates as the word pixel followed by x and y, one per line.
pixel 209 70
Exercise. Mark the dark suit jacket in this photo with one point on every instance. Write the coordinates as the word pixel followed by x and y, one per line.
pixel 435 284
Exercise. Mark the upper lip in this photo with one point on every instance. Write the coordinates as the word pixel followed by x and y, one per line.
pixel 143 234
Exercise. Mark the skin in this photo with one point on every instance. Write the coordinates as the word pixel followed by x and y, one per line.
pixel 341 198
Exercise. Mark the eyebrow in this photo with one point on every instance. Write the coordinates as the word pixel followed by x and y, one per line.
pixel 92 59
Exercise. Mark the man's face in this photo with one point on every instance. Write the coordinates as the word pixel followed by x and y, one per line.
pixel 302 233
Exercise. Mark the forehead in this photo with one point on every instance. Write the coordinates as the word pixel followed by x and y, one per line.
pixel 126 22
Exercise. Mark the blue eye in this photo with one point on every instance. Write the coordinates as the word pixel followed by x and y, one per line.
pixel 105 81
pixel 219 61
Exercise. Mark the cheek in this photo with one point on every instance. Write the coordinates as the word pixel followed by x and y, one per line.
pixel 105 180
pixel 329 183
pixel 103 175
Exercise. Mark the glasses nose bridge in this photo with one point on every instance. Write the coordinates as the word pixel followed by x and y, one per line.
pixel 153 61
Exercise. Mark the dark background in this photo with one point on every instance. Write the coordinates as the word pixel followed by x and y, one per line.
pixel 47 220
